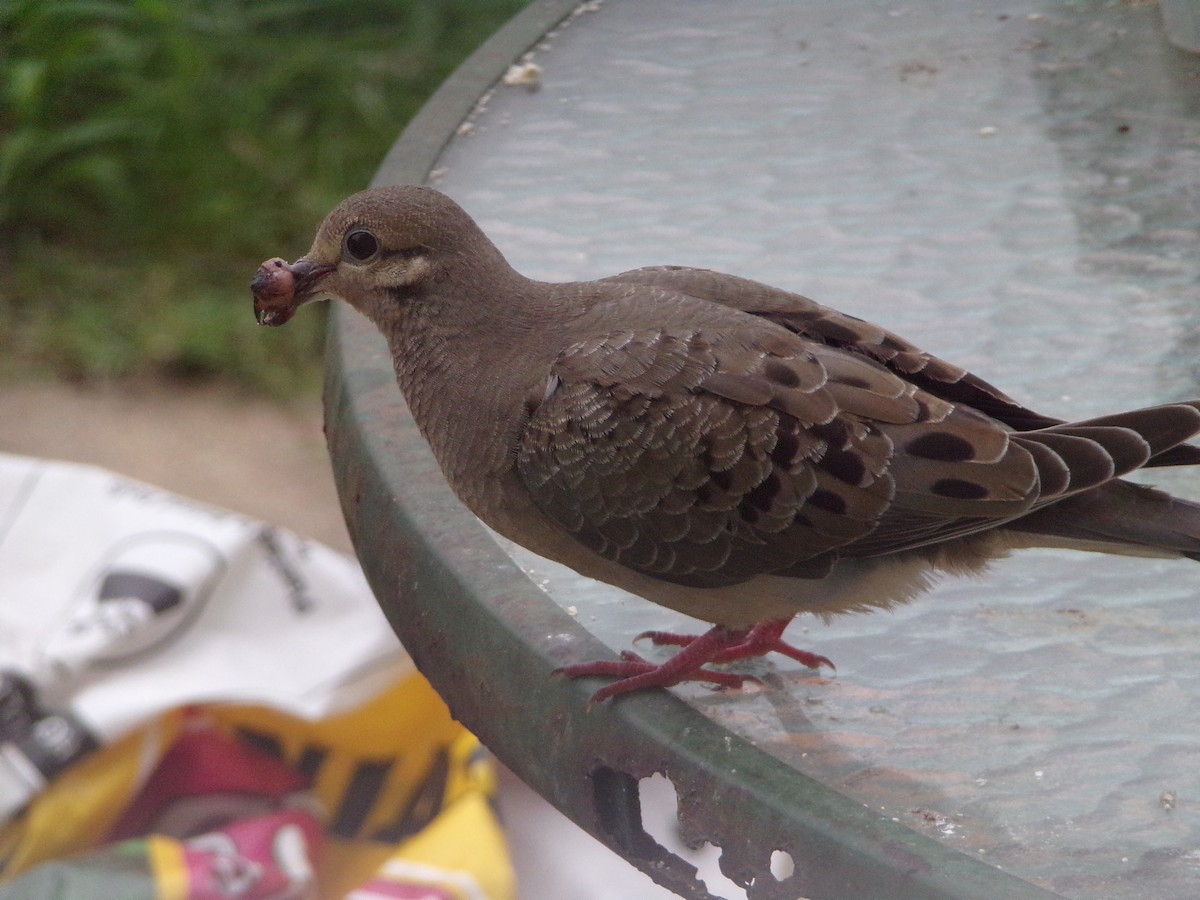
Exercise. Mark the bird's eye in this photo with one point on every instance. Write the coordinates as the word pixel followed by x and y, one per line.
pixel 360 245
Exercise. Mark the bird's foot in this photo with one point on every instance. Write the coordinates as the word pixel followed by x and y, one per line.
pixel 635 674
pixel 765 637
pixel 717 645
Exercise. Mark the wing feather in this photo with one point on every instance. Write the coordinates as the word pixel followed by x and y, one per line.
pixel 708 458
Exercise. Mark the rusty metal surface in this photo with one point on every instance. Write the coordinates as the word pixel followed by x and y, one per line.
pixel 488 638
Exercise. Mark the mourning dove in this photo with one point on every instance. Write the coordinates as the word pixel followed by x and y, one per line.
pixel 724 448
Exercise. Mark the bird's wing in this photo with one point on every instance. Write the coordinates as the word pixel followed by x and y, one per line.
pixel 810 319
pixel 806 317
pixel 709 456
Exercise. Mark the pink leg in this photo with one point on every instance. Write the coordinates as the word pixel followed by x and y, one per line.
pixel 717 645
pixel 635 673
pixel 766 637
pixel 763 638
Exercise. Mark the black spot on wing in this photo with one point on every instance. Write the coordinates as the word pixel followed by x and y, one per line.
pixel 832 432
pixel 941 445
pixel 828 501
pixel 845 466
pixel 786 448
pixel 780 374
pixel 764 493
pixel 959 489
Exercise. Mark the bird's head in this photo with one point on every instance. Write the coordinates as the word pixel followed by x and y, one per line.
pixel 374 250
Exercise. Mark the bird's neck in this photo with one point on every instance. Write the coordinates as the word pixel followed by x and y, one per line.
pixel 465 357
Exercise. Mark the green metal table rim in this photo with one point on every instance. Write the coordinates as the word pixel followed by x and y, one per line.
pixel 488 639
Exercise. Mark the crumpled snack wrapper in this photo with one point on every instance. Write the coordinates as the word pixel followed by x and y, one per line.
pixel 194 704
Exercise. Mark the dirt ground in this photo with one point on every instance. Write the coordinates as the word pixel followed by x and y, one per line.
pixel 205 442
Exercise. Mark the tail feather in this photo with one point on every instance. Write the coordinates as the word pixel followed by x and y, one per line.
pixel 1092 454
pixel 1110 514
pixel 1183 455
pixel 1120 516
pixel 1164 428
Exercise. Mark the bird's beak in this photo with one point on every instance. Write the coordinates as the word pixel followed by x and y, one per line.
pixel 281 288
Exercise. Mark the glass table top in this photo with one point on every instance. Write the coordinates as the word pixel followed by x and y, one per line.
pixel 1014 187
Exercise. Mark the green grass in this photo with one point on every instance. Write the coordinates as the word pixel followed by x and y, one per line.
pixel 153 152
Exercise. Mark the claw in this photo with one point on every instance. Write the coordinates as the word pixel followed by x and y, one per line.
pixel 665 638
pixel 767 637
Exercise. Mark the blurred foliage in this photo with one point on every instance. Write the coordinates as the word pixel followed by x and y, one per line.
pixel 153 152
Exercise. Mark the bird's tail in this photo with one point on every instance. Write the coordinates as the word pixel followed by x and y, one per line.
pixel 1119 516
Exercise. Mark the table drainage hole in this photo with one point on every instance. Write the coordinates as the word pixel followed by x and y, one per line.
pixel 660 819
